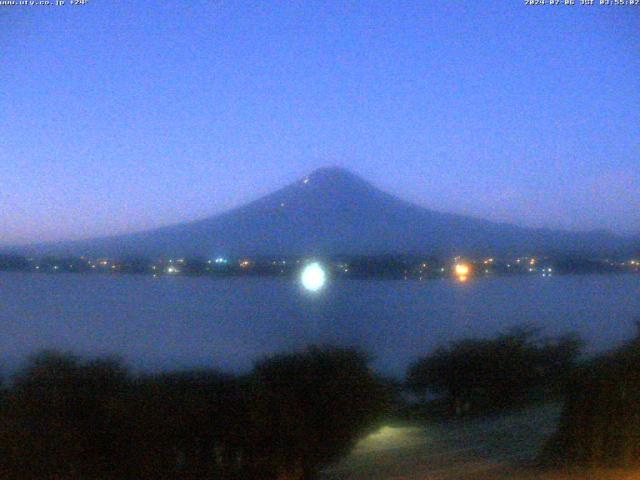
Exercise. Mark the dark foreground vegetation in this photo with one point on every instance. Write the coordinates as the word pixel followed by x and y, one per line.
pixel 67 418
pixel 600 422
pixel 480 376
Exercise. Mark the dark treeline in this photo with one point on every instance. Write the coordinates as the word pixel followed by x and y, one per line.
pixel 14 263
pixel 600 421
pixel 480 376
pixel 70 418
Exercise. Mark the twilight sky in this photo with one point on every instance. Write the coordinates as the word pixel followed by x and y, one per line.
pixel 121 116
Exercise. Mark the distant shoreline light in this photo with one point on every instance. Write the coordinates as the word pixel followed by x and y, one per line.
pixel 462 269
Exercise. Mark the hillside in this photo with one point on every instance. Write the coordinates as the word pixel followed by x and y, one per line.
pixel 333 211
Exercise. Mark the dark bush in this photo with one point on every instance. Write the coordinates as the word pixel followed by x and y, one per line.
pixel 188 425
pixel 600 421
pixel 63 418
pixel 308 408
pixel 68 418
pixel 494 374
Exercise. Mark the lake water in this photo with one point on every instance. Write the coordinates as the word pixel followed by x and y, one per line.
pixel 176 322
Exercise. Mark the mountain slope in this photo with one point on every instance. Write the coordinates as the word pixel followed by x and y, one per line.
pixel 333 211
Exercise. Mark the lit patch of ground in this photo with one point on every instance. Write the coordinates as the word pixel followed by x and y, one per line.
pixel 499 448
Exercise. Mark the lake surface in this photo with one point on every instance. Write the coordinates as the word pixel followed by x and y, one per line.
pixel 176 322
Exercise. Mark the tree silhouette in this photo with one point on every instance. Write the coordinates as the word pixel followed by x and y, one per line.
pixel 494 374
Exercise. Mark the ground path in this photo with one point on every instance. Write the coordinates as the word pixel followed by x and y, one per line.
pixel 480 449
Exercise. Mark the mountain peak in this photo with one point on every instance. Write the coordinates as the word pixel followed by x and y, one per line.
pixel 333 173
pixel 334 176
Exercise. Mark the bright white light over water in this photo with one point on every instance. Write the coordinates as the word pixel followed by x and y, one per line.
pixel 313 277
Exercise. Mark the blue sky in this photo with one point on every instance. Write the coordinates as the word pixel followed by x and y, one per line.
pixel 121 116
